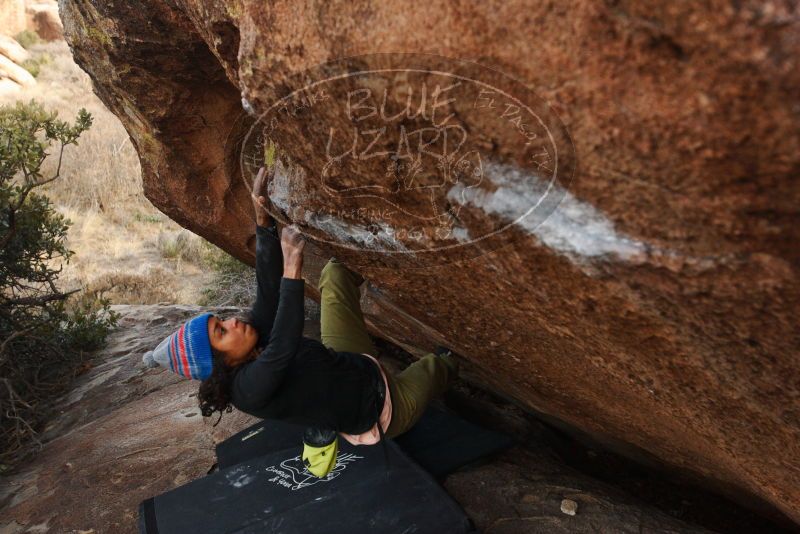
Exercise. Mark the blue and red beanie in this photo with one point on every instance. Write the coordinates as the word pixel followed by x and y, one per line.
pixel 187 351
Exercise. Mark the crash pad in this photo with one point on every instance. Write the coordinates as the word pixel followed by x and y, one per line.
pixel 440 442
pixel 274 493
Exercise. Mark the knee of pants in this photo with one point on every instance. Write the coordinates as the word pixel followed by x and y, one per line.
pixel 331 272
pixel 339 279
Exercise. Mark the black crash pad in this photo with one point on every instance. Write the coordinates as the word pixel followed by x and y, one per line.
pixel 274 493
pixel 440 442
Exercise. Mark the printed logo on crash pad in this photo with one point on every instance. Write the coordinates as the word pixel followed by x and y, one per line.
pixel 292 473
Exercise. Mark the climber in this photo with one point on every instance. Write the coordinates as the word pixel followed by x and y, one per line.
pixel 262 365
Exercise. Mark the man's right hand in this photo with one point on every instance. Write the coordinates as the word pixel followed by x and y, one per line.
pixel 292 244
pixel 259 199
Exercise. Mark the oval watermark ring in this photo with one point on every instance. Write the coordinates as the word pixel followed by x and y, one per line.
pixel 411 155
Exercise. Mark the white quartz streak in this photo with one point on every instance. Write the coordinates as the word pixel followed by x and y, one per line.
pixel 575 228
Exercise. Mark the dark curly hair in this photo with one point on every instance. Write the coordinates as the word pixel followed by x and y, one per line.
pixel 215 391
pixel 214 394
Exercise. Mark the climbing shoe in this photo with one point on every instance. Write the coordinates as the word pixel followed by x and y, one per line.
pixel 448 357
pixel 440 350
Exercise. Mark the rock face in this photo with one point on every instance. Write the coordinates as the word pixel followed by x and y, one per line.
pixel 40 17
pixel 12 16
pixel 622 249
pixel 13 77
pixel 43 19
pixel 11 49
pixel 17 74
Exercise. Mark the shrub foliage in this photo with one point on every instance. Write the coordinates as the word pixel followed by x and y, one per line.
pixel 233 283
pixel 44 330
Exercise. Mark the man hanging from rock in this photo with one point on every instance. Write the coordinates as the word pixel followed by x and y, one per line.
pixel 264 366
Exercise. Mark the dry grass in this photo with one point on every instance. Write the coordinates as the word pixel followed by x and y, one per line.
pixel 121 242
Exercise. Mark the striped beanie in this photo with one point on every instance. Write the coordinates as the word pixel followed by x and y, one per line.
pixel 187 351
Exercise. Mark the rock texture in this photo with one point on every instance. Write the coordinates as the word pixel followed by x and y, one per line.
pixel 13 77
pixel 655 309
pixel 12 16
pixel 126 433
pixel 11 49
pixel 39 16
pixel 16 73
pixel 42 18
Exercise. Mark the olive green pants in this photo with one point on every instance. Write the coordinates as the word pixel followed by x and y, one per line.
pixel 343 330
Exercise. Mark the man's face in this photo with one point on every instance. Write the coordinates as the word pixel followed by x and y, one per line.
pixel 232 337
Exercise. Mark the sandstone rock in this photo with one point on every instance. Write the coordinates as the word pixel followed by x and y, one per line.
pixel 13 77
pixel 9 87
pixel 44 20
pixel 655 309
pixel 10 48
pixel 12 16
pixel 487 502
pixel 569 507
pixel 9 69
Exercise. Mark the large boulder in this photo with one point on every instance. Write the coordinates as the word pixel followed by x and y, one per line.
pixel 12 16
pixel 13 77
pixel 42 18
pixel 649 299
pixel 14 51
pixel 16 73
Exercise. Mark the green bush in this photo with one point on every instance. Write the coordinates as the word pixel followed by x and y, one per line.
pixel 181 245
pixel 34 65
pixel 233 282
pixel 147 217
pixel 27 38
pixel 44 330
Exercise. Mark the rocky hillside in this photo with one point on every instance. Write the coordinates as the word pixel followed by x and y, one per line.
pixel 599 212
pixel 37 16
pixel 32 20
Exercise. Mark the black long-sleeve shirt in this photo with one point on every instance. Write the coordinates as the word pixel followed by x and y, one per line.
pixel 295 378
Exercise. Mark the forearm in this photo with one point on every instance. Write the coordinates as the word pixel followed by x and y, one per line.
pixel 289 321
pixel 269 255
pixel 269 269
pixel 292 243
pixel 293 267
